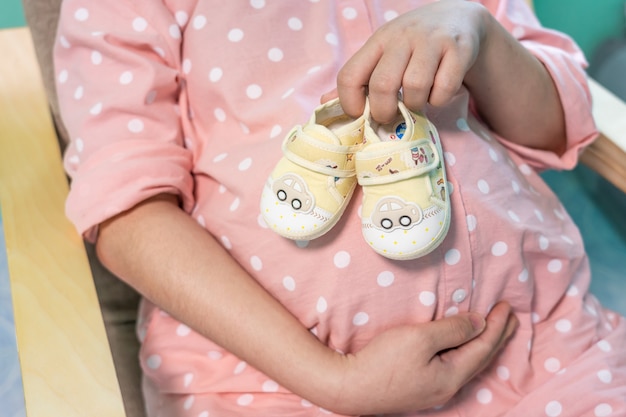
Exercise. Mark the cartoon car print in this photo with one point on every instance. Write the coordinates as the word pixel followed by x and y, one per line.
pixel 392 212
pixel 292 190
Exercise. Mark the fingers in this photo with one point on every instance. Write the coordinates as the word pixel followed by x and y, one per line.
pixel 426 61
pixel 385 82
pixel 472 357
pixel 332 94
pixel 375 74
pixel 353 79
pixel 418 79
pixel 449 76
pixel 453 331
pixel 423 77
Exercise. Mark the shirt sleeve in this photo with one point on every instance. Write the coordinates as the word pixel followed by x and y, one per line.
pixel 566 64
pixel 117 66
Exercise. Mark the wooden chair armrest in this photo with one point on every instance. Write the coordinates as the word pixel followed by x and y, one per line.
pixel 607 155
pixel 65 359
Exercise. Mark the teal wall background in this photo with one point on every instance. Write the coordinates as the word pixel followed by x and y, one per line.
pixel 11 14
pixel 589 22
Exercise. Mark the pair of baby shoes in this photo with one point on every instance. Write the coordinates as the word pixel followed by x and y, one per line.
pixel 405 210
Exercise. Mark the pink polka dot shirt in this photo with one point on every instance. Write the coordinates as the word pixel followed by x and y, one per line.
pixel 193 97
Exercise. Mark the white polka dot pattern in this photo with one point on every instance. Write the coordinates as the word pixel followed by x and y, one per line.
pixel 161 101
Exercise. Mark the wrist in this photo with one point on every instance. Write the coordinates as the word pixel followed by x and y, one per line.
pixel 486 33
pixel 321 379
pixel 340 389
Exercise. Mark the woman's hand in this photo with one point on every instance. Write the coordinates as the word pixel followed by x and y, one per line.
pixel 411 368
pixel 430 52
pixel 426 52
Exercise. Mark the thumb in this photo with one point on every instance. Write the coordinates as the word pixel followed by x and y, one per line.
pixel 453 331
pixel 332 94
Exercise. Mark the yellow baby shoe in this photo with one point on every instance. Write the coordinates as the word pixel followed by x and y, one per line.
pixel 406 207
pixel 310 187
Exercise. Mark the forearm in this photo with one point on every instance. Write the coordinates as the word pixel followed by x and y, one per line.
pixel 172 261
pixel 514 93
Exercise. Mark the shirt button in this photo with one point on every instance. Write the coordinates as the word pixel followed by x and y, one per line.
pixel 459 295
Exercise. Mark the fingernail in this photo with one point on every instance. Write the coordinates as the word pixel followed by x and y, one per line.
pixel 478 321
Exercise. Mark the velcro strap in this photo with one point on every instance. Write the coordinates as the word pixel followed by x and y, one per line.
pixel 319 156
pixel 387 162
